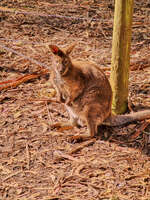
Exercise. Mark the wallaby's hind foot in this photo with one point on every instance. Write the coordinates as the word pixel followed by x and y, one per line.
pixel 62 126
pixel 79 138
pixel 92 132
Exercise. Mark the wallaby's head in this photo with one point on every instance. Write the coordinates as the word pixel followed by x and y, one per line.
pixel 63 55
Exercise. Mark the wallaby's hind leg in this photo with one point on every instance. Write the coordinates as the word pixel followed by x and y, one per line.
pixel 92 132
pixel 91 129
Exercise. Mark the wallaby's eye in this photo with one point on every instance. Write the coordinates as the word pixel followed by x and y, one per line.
pixel 60 53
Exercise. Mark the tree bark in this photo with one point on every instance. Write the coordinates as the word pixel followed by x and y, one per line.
pixel 121 54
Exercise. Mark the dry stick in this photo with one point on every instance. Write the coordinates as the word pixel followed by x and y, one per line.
pixel 142 128
pixel 27 155
pixel 20 80
pixel 61 155
pixel 81 146
pixel 45 100
pixel 11 175
pixel 22 77
pixel 49 115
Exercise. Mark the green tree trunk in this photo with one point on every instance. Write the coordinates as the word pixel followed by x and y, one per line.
pixel 121 54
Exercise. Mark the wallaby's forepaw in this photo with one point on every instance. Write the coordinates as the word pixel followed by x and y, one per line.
pixel 61 126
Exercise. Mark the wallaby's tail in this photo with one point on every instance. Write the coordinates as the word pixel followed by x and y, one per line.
pixel 124 119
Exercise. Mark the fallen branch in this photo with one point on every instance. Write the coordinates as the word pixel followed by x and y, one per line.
pixel 81 146
pixel 44 100
pixel 11 175
pixel 22 79
pixel 141 129
pixel 61 155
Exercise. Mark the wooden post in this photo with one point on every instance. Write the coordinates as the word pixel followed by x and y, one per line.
pixel 121 54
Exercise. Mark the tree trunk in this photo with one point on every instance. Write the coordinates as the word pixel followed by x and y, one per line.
pixel 121 54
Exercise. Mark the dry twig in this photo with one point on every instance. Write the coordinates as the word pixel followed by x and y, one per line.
pixel 81 146
pixel 22 79
pixel 141 129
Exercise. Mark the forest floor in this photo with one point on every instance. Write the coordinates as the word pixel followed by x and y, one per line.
pixel 37 162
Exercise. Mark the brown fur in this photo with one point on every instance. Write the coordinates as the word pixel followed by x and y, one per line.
pixel 86 92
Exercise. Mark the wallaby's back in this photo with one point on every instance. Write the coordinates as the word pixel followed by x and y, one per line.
pixel 95 92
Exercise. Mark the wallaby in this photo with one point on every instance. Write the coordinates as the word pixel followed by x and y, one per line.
pixel 87 94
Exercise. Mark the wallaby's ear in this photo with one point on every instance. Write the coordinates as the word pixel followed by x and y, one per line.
pixel 55 50
pixel 69 49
